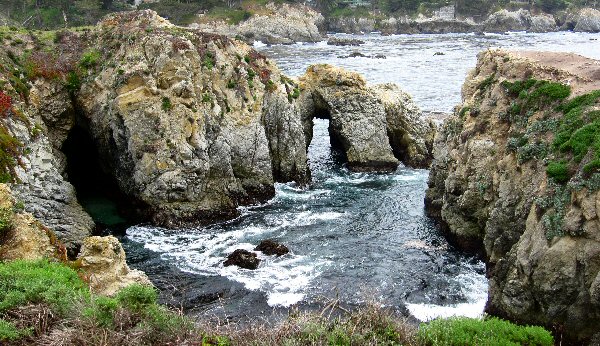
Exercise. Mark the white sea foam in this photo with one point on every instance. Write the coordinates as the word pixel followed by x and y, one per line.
pixel 474 287
pixel 258 44
pixel 284 279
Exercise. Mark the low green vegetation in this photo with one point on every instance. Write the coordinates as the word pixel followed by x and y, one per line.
pixel 90 59
pixel 566 137
pixel 87 319
pixel 6 215
pixel 490 332
pixel 166 104
pixel 51 300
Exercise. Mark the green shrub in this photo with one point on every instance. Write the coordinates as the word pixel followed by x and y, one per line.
pixel 208 61
pixel 90 59
pixel 206 98
pixel 559 171
pixel 166 104
pixel 102 311
pixel 73 82
pixel 231 84
pixel 461 331
pixel 32 282
pixel 6 215
pixel 137 297
pixel 9 332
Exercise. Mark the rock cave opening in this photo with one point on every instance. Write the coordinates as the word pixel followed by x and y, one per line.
pixel 97 191
pixel 321 120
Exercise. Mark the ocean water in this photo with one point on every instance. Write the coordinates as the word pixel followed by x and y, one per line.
pixel 357 237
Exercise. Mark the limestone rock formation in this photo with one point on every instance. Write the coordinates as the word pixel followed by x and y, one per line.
pixel 21 235
pixel 357 116
pixel 410 134
pixel 281 24
pixel 488 186
pixel 102 259
pixel 587 20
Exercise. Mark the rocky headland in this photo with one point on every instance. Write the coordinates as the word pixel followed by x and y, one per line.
pixel 186 125
pixel 276 24
pixel 515 177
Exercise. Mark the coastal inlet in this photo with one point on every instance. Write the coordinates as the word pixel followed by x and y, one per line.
pixel 356 236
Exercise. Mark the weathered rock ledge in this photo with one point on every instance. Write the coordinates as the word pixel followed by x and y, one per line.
pixel 504 182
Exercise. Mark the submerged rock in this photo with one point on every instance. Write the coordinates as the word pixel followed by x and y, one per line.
pixel 243 259
pixel 489 188
pixel 102 259
pixel 270 247
pixel 338 41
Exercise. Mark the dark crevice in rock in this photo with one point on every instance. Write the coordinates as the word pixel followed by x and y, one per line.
pixel 97 190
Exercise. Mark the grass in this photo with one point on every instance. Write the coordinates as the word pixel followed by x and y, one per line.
pixel 490 331
pixel 54 296
pixel 55 291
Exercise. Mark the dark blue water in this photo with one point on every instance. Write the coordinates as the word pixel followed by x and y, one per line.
pixel 356 236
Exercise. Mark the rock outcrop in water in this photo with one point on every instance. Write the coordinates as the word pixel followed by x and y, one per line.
pixel 279 24
pixel 186 125
pixel 514 177
pixel 243 259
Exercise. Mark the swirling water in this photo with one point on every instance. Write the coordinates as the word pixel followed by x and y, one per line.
pixel 356 236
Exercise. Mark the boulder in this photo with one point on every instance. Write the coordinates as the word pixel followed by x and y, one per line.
pixel 588 20
pixel 243 259
pixel 102 259
pixel 270 247
pixel 22 236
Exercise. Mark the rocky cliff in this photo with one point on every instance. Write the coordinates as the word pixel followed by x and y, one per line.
pixel 515 177
pixel 183 125
pixel 274 24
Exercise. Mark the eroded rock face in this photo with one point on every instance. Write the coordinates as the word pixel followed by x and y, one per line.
pixel 587 20
pixel 40 126
pixel 357 116
pixel 182 125
pixel 489 187
pixel 102 259
pixel 281 24
pixel 21 235
pixel 411 135
pixel 505 20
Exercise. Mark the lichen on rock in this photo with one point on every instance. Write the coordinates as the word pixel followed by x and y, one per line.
pixel 496 190
pixel 102 260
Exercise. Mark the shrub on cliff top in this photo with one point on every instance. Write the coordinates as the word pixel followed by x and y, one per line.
pixel 6 215
pixel 490 331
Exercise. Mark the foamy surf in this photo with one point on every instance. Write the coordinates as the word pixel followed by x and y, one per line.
pixel 474 288
pixel 283 279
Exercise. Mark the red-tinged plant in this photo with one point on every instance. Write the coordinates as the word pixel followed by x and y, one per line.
pixel 5 104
